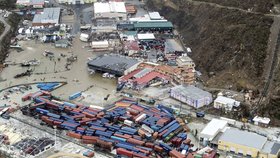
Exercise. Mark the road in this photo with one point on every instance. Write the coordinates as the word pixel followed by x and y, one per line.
pixel 7 27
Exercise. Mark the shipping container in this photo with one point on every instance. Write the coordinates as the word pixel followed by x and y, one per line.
pixel 128 123
pixel 118 139
pixel 75 95
pixel 158 149
pixel 74 135
pixel 70 105
pixel 174 153
pixel 135 141
pixel 123 152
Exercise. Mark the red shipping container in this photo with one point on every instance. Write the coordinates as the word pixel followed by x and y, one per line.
pixel 158 148
pixel 121 151
pixel 135 141
pixel 89 115
pixel 26 97
pixel 136 155
pixel 57 123
pixel 149 145
pixel 74 135
pixel 155 135
pixel 90 137
pixel 174 153
pixel 143 151
pixel 90 154
pixel 123 136
pixel 87 141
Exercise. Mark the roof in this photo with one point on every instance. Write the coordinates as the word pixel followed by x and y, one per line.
pixel 154 15
pixel 171 45
pixel 213 127
pixel 143 72
pixel 185 59
pixel 49 15
pixel 153 25
pixel 191 92
pixel 271 147
pixel 131 74
pixel 113 62
pixel 113 7
pixel 165 68
pixel 145 36
pixel 100 43
pixel 225 100
pixel 244 138
pixel 150 76
pixel 263 120
pixel 37 2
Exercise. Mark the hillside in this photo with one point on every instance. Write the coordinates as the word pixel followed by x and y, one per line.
pixel 228 39
pixel 227 42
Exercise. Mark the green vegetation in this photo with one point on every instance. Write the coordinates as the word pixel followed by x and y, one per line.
pixel 13 21
pixel 1 28
pixel 7 4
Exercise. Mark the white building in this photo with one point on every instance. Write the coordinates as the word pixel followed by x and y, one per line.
pixel 146 36
pixel 191 95
pixel 185 61
pixel 212 129
pixel 225 103
pixel 100 44
pixel 111 10
pixel 261 121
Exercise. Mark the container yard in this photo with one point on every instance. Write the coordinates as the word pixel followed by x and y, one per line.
pixel 126 128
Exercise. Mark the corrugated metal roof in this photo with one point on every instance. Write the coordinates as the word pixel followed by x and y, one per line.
pixel 244 138
pixel 191 92
pixel 49 15
pixel 114 62
pixel 142 72
pixel 271 147
pixel 150 76
pixel 153 25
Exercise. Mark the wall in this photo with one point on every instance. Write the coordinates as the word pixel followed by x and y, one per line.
pixel 226 146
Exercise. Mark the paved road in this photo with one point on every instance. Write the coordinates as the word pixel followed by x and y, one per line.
pixel 7 27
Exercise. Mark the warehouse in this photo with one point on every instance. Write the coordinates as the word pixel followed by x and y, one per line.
pixel 153 26
pixel 50 16
pixel 225 103
pixel 211 130
pixel 114 64
pixel 110 10
pixel 191 95
pixel 241 142
pixel 141 78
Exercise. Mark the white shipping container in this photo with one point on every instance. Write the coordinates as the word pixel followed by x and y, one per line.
pixel 184 152
pixel 140 117
pixel 148 129
pixel 128 123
